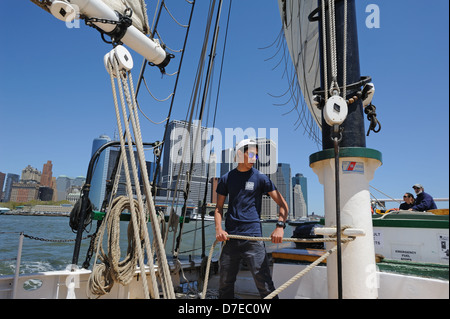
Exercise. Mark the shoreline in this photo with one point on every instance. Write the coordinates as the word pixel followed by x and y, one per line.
pixel 23 213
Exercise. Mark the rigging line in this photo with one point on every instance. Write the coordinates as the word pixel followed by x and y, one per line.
pixel 154 97
pixel 195 91
pixel 377 201
pixel 168 11
pixel 344 91
pixel 214 124
pixel 205 93
pixel 173 96
pixel 142 112
pixel 338 216
pixel 193 102
pixel 279 47
pixel 189 116
pixel 278 38
pixel 127 173
pixel 160 251
pixel 324 39
pixel 156 17
pixel 385 194
pixel 165 45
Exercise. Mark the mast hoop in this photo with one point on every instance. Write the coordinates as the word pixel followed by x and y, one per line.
pixel 350 87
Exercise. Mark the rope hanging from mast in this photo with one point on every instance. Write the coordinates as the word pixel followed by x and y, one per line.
pixel 137 210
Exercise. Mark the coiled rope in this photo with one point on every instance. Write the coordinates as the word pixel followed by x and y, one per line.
pixel 294 278
pixel 112 268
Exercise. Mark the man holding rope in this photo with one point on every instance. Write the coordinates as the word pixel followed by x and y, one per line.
pixel 245 186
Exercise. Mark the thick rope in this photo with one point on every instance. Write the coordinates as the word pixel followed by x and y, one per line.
pixel 301 273
pixel 290 281
pixel 164 271
pixel 139 219
pixel 112 269
pixel 128 178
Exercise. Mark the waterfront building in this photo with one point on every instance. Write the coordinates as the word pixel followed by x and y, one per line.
pixel 46 177
pixel 24 191
pixel 63 184
pixel 301 180
pixel 30 174
pixel 2 182
pixel 10 180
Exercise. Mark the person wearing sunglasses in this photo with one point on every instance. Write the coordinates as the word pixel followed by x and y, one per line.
pixel 408 201
pixel 424 201
pixel 245 187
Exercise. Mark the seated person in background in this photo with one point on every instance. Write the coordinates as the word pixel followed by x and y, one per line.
pixel 424 201
pixel 408 201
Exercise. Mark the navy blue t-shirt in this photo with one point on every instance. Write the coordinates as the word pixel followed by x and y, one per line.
pixel 244 205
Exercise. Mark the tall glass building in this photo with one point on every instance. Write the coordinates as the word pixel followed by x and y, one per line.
pixel 301 180
pixel 284 183
pixel 98 182
pixel 184 145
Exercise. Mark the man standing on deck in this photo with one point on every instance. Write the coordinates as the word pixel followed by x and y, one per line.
pixel 245 186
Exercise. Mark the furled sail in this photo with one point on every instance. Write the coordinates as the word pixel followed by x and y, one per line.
pixel 138 7
pixel 139 17
pixel 111 17
pixel 302 38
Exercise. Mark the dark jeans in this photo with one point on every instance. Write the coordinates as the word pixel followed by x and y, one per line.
pixel 254 254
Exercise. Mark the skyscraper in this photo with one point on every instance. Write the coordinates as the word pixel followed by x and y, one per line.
pixel 184 146
pixel 299 179
pixel 10 180
pixel 284 183
pixel 63 184
pixel 267 164
pixel 46 177
pixel 98 182
pixel 298 203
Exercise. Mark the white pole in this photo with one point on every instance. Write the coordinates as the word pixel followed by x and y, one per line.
pixel 17 272
pixel 359 279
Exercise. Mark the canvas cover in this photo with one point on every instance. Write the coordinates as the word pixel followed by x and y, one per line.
pixel 139 17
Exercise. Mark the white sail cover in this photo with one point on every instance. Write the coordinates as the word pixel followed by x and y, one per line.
pixel 302 38
pixel 139 17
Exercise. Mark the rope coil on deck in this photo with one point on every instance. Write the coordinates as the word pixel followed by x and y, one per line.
pixel 112 268
pixel 294 278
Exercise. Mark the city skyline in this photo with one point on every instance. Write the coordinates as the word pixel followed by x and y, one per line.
pixel 267 164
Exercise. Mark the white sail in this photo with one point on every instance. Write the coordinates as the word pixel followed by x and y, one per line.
pixel 302 38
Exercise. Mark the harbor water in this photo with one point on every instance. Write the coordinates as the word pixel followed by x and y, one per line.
pixel 52 242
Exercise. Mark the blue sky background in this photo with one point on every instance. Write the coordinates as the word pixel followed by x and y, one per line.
pixel 55 95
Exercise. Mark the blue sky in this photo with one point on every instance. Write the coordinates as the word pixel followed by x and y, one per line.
pixel 55 95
